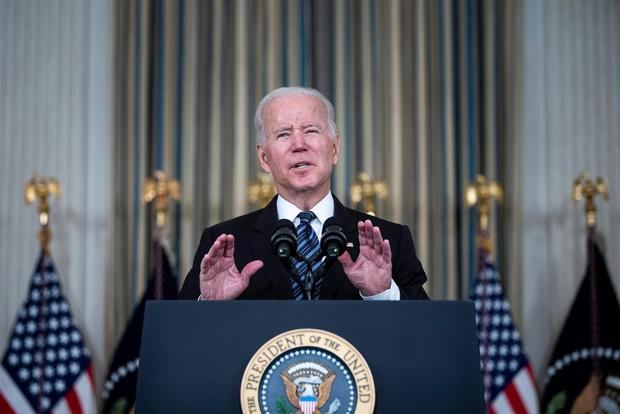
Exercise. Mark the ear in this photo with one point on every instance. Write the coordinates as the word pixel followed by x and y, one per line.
pixel 336 148
pixel 262 158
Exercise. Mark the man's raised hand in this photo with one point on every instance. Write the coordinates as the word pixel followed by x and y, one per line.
pixel 371 273
pixel 219 277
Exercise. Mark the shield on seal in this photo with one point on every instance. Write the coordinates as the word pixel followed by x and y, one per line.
pixel 307 404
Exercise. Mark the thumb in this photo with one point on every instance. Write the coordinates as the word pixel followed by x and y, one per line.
pixel 345 260
pixel 251 268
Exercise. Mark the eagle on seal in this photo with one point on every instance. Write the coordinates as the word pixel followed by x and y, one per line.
pixel 302 397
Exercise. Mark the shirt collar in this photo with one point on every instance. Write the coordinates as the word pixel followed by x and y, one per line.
pixel 323 210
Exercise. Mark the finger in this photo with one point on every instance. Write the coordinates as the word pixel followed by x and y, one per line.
pixel 205 263
pixel 377 230
pixel 214 253
pixel 368 229
pixel 209 261
pixel 377 240
pixel 387 252
pixel 251 268
pixel 361 231
pixel 217 249
pixel 346 261
pixel 229 246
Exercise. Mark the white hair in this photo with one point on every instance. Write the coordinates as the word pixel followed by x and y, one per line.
pixel 292 91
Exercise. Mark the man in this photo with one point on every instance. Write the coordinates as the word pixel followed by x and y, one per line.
pixel 298 144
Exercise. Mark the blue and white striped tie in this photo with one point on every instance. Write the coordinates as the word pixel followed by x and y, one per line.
pixel 307 247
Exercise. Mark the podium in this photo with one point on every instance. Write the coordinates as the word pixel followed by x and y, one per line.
pixel 423 355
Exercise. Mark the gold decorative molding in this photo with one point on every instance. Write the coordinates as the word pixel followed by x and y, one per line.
pixel 585 188
pixel 42 188
pixel 366 191
pixel 162 190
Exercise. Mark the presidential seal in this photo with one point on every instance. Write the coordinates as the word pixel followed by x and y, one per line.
pixel 307 371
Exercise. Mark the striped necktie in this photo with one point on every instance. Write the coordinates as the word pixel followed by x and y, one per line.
pixel 307 247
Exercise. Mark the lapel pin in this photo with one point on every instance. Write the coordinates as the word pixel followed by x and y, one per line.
pixel 349 244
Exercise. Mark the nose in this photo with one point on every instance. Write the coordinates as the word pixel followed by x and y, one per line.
pixel 299 140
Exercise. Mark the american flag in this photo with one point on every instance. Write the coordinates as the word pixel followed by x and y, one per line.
pixel 46 367
pixel 509 385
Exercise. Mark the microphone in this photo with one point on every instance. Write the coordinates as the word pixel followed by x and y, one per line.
pixel 284 245
pixel 284 239
pixel 333 240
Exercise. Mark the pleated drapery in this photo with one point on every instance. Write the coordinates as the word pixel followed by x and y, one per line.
pixel 416 87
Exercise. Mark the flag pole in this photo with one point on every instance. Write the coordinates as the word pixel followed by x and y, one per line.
pixel 584 188
pixel 509 385
pixel 161 190
pixel 42 188
pixel 480 194
pixel 121 381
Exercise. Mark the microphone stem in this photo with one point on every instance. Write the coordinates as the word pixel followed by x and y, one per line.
pixel 309 280
pixel 308 283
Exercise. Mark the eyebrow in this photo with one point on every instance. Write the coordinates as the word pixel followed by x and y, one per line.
pixel 290 127
pixel 283 129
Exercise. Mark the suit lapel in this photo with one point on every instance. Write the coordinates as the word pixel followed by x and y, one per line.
pixel 272 269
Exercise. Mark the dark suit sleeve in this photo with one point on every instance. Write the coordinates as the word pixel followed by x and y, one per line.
pixel 191 285
pixel 407 270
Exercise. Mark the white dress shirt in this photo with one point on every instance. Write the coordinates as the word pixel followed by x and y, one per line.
pixel 323 210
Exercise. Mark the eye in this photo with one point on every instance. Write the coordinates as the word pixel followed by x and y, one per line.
pixel 312 130
pixel 282 134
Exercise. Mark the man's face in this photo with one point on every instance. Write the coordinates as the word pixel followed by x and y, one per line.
pixel 299 150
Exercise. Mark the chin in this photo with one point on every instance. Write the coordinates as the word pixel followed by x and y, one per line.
pixel 307 182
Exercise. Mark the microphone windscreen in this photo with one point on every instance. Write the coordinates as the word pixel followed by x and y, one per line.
pixel 284 238
pixel 333 240
pixel 333 222
pixel 284 223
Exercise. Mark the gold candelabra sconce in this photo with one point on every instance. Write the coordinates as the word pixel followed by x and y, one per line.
pixel 586 188
pixel 42 188
pixel 481 193
pixel 261 190
pixel 162 190
pixel 366 191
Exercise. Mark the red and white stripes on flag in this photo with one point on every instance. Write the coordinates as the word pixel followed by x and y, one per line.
pixel 80 399
pixel 509 385
pixel 520 396
pixel 46 367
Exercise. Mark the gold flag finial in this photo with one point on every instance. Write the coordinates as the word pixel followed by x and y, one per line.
pixel 365 190
pixel 480 193
pixel 261 190
pixel 585 187
pixel 42 188
pixel 162 190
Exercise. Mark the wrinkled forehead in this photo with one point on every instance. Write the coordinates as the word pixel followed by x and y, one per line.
pixel 295 111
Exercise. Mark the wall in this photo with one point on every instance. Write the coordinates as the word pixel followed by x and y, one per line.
pixel 55 119
pixel 568 122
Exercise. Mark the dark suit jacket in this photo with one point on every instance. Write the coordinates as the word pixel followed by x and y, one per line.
pixel 252 241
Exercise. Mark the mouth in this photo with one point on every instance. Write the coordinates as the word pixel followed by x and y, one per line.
pixel 301 165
